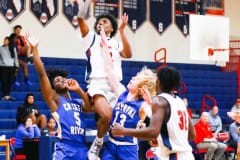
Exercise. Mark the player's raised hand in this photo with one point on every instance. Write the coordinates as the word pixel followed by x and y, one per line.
pixel 124 22
pixel 31 39
pixel 83 7
pixel 72 84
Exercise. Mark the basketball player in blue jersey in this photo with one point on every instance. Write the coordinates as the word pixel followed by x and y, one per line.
pixel 98 88
pixel 55 89
pixel 170 123
pixel 130 112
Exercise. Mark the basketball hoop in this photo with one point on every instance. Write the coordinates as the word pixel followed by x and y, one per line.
pixel 207 38
pixel 211 50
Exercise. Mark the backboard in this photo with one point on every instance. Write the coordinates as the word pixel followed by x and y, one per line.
pixel 209 33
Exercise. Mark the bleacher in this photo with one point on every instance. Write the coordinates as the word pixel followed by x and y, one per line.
pixel 199 80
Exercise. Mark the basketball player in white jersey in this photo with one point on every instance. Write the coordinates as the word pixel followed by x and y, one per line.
pixel 170 123
pixel 98 86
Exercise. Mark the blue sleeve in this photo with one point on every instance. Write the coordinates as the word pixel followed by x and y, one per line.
pixel 238 139
pixel 219 128
pixel 233 132
pixel 36 131
pixel 26 132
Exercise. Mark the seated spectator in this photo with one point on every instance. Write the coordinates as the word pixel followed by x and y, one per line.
pixel 26 129
pixel 238 149
pixel 205 139
pixel 51 129
pixel 8 63
pixel 24 51
pixel 215 120
pixel 234 130
pixel 236 106
pixel 29 108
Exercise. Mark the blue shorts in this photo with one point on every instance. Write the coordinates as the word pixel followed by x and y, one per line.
pixel 65 150
pixel 120 152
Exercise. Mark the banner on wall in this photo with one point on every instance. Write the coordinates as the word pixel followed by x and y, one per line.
pixel 70 10
pixel 44 10
pixel 160 14
pixel 106 6
pixel 136 11
pixel 215 7
pixel 183 8
pixel 10 9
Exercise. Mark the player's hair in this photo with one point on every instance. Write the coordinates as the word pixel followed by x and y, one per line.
pixel 147 78
pixel 112 19
pixel 53 72
pixel 17 26
pixel 169 79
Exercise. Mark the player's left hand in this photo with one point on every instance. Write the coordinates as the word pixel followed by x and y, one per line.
pixel 124 22
pixel 72 85
pixel 31 40
pixel 83 7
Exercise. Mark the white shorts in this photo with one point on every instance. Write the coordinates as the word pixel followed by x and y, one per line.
pixel 101 86
pixel 179 156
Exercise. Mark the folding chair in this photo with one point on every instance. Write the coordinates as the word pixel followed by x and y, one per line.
pixel 231 150
pixel 14 155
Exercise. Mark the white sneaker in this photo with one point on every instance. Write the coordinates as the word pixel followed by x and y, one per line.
pixel 94 150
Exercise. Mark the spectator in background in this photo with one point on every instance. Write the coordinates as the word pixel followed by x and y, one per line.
pixel 29 108
pixel 51 129
pixel 205 139
pixel 23 50
pixel 236 106
pixel 215 120
pixel 233 133
pixel 26 129
pixel 8 62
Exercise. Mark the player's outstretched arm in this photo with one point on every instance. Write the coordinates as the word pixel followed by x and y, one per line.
pixel 82 11
pixel 74 86
pixel 191 131
pixel 160 111
pixel 126 52
pixel 116 86
pixel 46 89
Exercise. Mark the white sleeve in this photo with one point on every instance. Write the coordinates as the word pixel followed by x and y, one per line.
pixel 88 40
